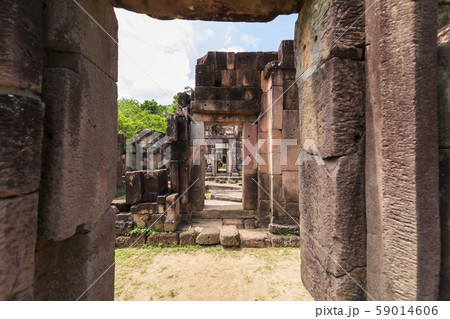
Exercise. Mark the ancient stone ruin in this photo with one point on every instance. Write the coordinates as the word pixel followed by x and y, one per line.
pixel 361 94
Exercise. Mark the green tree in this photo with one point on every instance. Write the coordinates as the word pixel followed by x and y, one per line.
pixel 133 117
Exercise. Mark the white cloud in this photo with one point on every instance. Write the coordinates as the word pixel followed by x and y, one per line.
pixel 158 50
pixel 232 49
pixel 250 40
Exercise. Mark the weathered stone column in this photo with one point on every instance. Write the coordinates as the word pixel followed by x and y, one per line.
pixel 21 129
pixel 79 152
pixel 402 195
pixel 331 114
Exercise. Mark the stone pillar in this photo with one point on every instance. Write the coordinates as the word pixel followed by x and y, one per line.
pixel 79 152
pixel 444 156
pixel 120 151
pixel 21 129
pixel 197 166
pixel 331 115
pixel 249 169
pixel 402 195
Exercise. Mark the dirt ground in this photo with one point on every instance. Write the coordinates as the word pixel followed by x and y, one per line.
pixel 211 273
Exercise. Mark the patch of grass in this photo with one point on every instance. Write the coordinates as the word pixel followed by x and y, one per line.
pixel 123 253
pixel 248 279
pixel 208 196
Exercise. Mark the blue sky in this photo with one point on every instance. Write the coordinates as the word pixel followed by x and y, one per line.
pixel 166 51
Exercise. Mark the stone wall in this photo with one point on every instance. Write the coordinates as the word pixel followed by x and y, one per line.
pixel 79 152
pixel 402 194
pixel 331 104
pixel 279 135
pixel 21 129
pixel 443 68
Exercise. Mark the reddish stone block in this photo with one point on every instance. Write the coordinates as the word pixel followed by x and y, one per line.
pixel 173 215
pixel 145 208
pixel 124 223
pixel 68 28
pixel 204 75
pixel 17 244
pixel 21 43
pixel 133 187
pixel 248 78
pixel 78 268
pixel 21 139
pixel 78 173
pixel 172 128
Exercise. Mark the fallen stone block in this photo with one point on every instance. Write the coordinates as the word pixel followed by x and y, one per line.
pixel 124 223
pixel 229 236
pixel 115 209
pixel 208 236
pixel 140 220
pixel 284 241
pixel 252 238
pixel 188 237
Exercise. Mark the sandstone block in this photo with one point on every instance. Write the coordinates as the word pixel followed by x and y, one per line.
pixel 252 238
pixel 187 237
pixel 156 222
pixel 173 215
pixel 66 269
pixel 124 223
pixel 121 205
pixel 284 229
pixel 208 236
pixel 134 240
pixel 78 177
pixel 342 198
pixel 444 87
pixel 284 241
pixel 68 28
pixel 238 223
pixel 290 186
pixel 290 97
pixel 21 139
pixel 145 208
pixel 333 116
pixel 337 288
pixel 249 224
pixel 17 244
pixel 229 236
pixel 21 43
pixel 168 239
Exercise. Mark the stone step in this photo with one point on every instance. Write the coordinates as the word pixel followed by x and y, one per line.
pixel 223 214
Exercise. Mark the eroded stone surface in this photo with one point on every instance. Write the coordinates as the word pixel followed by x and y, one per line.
pixel 248 11
pixel 79 175
pixel 253 238
pixel 66 269
pixel 21 121
pixel 21 43
pixel 229 236
pixel 18 231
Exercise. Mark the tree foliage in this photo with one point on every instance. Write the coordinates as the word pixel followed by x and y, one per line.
pixel 133 116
